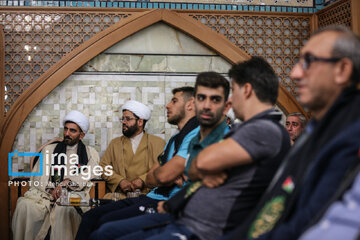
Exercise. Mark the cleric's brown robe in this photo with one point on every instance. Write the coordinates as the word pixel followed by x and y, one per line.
pixel 126 164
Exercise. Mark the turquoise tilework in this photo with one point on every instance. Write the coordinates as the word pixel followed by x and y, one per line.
pixel 317 5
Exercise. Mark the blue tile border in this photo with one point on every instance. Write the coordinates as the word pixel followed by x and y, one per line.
pixel 318 5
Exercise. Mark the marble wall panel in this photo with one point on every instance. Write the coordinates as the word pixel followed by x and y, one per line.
pixel 160 38
pixel 148 63
pixel 155 63
pixel 108 62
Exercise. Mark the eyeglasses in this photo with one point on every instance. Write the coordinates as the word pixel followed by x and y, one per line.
pixel 127 119
pixel 308 58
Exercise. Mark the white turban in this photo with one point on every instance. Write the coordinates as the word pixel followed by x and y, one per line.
pixel 80 119
pixel 137 108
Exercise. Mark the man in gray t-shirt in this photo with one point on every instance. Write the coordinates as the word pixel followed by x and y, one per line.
pixel 236 171
pixel 212 212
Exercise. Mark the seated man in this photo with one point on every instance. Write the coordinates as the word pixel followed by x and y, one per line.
pixel 36 212
pixel 180 112
pixel 211 105
pixel 339 218
pixel 247 159
pixel 327 76
pixel 133 154
pixel 295 125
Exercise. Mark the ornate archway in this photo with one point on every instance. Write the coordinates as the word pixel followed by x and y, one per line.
pixel 100 42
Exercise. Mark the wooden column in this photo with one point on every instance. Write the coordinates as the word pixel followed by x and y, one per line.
pixel 4 200
pixel 355 16
pixel 2 77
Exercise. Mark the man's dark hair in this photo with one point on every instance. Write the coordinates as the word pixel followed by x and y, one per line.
pixel 260 75
pixel 213 80
pixel 187 92
pixel 347 45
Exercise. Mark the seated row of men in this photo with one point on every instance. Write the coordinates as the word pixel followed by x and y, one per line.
pixel 212 182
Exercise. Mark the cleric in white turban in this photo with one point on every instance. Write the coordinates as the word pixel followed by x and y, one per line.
pixel 138 108
pixel 71 167
pixel 131 155
pixel 77 117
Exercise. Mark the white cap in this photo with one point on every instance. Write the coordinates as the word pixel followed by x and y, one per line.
pixel 80 119
pixel 139 109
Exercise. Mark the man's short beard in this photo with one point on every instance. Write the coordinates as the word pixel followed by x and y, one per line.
pixel 72 142
pixel 131 130
pixel 177 118
pixel 216 117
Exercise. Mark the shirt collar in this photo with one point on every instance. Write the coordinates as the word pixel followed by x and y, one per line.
pixel 215 135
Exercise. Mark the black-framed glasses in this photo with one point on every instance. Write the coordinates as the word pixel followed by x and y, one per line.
pixel 127 119
pixel 308 58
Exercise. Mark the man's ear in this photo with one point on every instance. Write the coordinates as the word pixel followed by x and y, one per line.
pixel 343 71
pixel 247 90
pixel 82 135
pixel 228 105
pixel 190 105
pixel 140 122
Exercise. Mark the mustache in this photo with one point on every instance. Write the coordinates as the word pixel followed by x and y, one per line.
pixel 207 112
pixel 67 137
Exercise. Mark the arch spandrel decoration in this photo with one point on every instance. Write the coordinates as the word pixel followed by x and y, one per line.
pixel 37 39
pixel 97 44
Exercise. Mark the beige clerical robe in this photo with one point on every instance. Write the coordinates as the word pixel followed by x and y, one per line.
pixel 126 164
pixel 35 213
